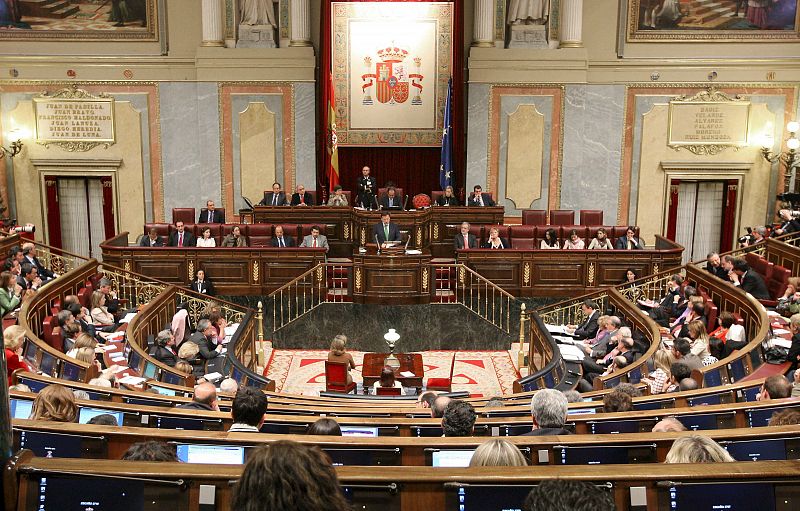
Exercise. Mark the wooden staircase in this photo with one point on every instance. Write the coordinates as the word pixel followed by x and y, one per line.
pixel 56 9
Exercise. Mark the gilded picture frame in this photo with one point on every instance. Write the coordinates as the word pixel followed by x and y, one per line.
pixel 735 21
pixel 95 20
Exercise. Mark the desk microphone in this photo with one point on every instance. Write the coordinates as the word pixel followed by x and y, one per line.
pixel 378 243
pixel 405 203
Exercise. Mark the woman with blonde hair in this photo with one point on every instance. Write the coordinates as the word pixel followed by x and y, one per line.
pixel 183 366
pixel 13 338
pixel 55 403
pixel 190 352
pixel 98 310
pixel 699 339
pixel 82 341
pixel 658 380
pixel 498 453
pixel 338 353
pixel 697 449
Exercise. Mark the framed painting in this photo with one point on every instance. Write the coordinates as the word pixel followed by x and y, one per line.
pixel 80 20
pixel 713 20
pixel 391 63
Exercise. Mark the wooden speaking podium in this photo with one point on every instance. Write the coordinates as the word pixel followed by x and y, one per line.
pixel 392 276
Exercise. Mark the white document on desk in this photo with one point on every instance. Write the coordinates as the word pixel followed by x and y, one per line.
pixel 556 329
pixel 572 353
pixel 128 317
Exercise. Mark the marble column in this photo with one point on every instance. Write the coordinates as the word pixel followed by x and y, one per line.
pixel 212 23
pixel 484 24
pixel 301 24
pixel 571 24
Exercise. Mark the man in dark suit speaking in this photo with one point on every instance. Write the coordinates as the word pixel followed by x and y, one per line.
pixel 465 239
pixel 386 230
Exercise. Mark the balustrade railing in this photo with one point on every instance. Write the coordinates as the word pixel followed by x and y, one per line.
pixel 476 293
pixel 324 283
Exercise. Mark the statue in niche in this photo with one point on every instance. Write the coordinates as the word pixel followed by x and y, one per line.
pixel 257 24
pixel 528 12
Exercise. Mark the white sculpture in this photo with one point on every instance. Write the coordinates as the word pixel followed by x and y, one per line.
pixel 528 12
pixel 257 12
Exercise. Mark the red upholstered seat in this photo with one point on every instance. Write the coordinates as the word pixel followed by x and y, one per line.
pixel 336 378
pixel 421 200
pixel 435 194
pixel 777 285
pixel 534 217
pixel 591 217
pixel 562 217
pixel 759 264
pixel 388 391
pixel 522 236
pixel 259 234
pixel 185 215
pixel 442 384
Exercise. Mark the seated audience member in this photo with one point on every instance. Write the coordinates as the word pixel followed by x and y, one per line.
pixel 229 386
pixel 658 379
pixel 714 266
pixel 387 380
pixel 248 409
pixel 688 384
pixel 235 238
pixel 568 495
pixel 669 425
pixel 628 388
pixel 785 417
pixel 789 223
pixel 104 419
pixel 112 302
pixel 338 353
pixel 302 197
pixel 678 371
pixel 81 323
pixel 338 198
pixel 775 387
pixel 82 340
pixel 219 322
pixel 189 352
pixel 630 241
pixel 180 324
pixel 324 427
pixel 10 293
pixel 165 348
pixel 100 382
pixel 630 276
pixel 573 396
pixel 87 356
pixel 478 198
pixel 288 475
pixel 465 239
pixel 281 241
pixel 274 198
pixel 82 394
pixel 447 198
pixel 29 277
pixel 587 329
pixel 495 241
pixel 601 241
pixel 458 419
pixel 206 340
pixel 151 450
pixel 201 284
pixel 682 352
pixel 206 240
pixel 794 349
pixel 20 387
pixel 495 402
pixel 697 449
pixel 439 405
pixel 210 215
pixel 617 402
pixel 792 287
pixel 550 240
pixel 674 297
pixel 549 413
pixel 592 369
pixel 315 240
pixel 573 242
pixel 29 256
pixel 99 311
pixel 391 200
pixel 183 366
pixel 749 280
pixel 205 398
pixel 426 399
pixel 54 403
pixel 13 339
pixel 64 317
pixel 698 339
pixel 151 239
pixel 601 344
pixel 180 237
pixel 498 452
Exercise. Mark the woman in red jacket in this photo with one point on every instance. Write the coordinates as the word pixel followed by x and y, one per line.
pixel 13 338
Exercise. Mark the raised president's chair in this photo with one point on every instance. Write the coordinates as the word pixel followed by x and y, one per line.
pixel 336 378
pixel 185 215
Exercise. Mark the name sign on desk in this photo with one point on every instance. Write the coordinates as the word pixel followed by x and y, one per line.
pixel 708 127
pixel 74 119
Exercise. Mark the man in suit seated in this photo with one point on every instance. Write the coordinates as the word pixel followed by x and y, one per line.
pixel 165 348
pixel 181 237
pixel 29 255
pixel 315 240
pixel 478 198
pixel 210 215
pixel 391 200
pixel 714 266
pixel 274 198
pixel 302 197
pixel 630 241
pixel 587 329
pixel 29 277
pixel 206 339
pixel 465 239
pixel 280 240
pixel 549 413
pixel 386 230
pixel 152 239
pixel 748 280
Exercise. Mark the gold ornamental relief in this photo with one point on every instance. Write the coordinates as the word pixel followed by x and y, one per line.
pixel 363 236
pixel 419 237
pixel 346 232
pixel 462 275
pixel 435 230
pixel 526 274
pixel 191 270
pixel 590 278
pixel 655 268
pixel 425 278
pixel 255 271
pixel 358 280
pixel 319 274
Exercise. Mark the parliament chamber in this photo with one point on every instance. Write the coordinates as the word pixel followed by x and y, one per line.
pixel 400 255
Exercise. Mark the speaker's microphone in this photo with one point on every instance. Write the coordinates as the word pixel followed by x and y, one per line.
pixel 405 202
pixel 378 243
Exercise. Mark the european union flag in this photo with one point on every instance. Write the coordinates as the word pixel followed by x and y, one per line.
pixel 446 165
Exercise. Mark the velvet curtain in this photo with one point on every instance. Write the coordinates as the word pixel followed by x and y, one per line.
pixel 415 169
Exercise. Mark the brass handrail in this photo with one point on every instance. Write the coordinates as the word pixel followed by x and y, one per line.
pixel 481 296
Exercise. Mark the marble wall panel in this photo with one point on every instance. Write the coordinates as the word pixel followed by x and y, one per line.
pixel 256 149
pixel 305 119
pixel 524 155
pixel 477 135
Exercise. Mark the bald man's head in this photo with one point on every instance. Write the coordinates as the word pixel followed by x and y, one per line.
pixel 206 394
pixel 438 406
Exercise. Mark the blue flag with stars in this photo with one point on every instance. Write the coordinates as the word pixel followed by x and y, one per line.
pixel 446 166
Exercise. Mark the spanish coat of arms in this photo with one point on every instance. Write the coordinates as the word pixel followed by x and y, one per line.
pixel 391 77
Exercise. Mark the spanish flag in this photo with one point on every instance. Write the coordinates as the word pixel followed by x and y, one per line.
pixel 331 142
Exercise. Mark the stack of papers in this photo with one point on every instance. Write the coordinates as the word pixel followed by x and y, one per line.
pixel 407 374
pixel 131 380
pixel 128 317
pixel 572 353
pixel 556 329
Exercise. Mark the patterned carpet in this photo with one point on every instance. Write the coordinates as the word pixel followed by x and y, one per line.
pixel 481 373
